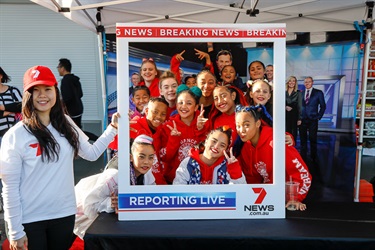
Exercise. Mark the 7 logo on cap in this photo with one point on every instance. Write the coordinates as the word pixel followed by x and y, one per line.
pixel 36 73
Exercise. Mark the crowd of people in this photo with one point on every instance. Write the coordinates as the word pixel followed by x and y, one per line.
pixel 184 130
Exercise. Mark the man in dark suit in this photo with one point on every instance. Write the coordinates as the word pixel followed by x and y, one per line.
pixel 313 107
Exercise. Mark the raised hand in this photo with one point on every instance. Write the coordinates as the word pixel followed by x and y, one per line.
pixel 114 121
pixel 174 131
pixel 132 129
pixel 230 158
pixel 179 56
pixel 130 114
pixel 201 120
pixel 289 140
pixel 202 55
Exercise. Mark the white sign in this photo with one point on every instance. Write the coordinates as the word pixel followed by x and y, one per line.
pixel 167 202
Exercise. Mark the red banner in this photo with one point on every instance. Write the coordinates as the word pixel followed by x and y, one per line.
pixel 185 32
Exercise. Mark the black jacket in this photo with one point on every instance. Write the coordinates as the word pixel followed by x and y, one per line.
pixel 71 92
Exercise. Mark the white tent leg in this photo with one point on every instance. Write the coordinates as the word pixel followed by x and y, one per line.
pixel 366 59
pixel 103 85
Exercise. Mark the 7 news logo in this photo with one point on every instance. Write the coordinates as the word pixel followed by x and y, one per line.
pixel 258 208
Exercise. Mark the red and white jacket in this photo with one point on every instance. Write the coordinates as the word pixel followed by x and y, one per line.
pixel 257 163
pixel 174 149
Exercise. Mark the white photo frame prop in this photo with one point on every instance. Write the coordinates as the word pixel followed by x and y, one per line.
pixel 187 202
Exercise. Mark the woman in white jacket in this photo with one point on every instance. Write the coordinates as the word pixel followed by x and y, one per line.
pixel 36 160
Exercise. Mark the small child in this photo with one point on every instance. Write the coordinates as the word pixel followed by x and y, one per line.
pixel 150 125
pixel 190 81
pixel 168 87
pixel 213 166
pixel 150 75
pixel 260 93
pixel 256 153
pixel 228 76
pixel 141 96
pixel 183 131
pixel 156 114
pixel 98 193
pixel 225 99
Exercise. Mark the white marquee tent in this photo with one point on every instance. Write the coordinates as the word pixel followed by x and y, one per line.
pixel 299 15
pixel 314 16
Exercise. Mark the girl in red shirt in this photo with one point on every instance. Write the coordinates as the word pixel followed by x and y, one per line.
pixel 256 154
pixel 213 165
pixel 225 99
pixel 168 87
pixel 150 75
pixel 183 131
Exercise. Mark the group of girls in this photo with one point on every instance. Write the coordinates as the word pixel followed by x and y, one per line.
pixel 213 133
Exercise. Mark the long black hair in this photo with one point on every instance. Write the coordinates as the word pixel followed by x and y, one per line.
pixel 5 77
pixel 223 129
pixel 48 144
pixel 259 112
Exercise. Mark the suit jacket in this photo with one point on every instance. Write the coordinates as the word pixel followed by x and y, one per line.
pixel 314 110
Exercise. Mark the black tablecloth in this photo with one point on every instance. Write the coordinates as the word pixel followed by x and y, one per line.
pixel 321 226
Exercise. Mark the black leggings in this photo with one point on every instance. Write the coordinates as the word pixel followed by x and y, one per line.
pixel 50 234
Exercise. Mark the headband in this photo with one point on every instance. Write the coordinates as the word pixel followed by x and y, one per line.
pixel 144 139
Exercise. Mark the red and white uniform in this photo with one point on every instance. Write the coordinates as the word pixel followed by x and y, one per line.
pixel 193 170
pixel 174 149
pixel 143 129
pixel 257 163
pixel 154 87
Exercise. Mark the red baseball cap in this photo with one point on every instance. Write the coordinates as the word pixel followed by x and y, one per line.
pixel 38 75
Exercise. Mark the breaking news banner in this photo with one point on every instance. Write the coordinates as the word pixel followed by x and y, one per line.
pixel 190 202
pixel 199 32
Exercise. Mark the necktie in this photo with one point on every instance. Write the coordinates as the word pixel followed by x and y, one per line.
pixel 307 98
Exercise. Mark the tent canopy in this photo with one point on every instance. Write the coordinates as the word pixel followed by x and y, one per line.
pixel 299 15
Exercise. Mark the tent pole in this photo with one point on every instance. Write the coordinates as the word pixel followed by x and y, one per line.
pixel 363 101
pixel 102 79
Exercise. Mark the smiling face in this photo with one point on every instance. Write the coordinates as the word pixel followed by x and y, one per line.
pixel 292 83
pixel 215 145
pixel 224 100
pixel 156 113
pixel 256 71
pixel 228 74
pixel 135 79
pixel 186 106
pixel 223 60
pixel 44 98
pixel 308 83
pixel 269 72
pixel 260 92
pixel 140 99
pixel 247 128
pixel 143 158
pixel 190 82
pixel 148 71
pixel 168 88
pixel 206 82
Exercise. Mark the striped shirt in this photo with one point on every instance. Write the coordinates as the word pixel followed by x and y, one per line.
pixel 11 95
